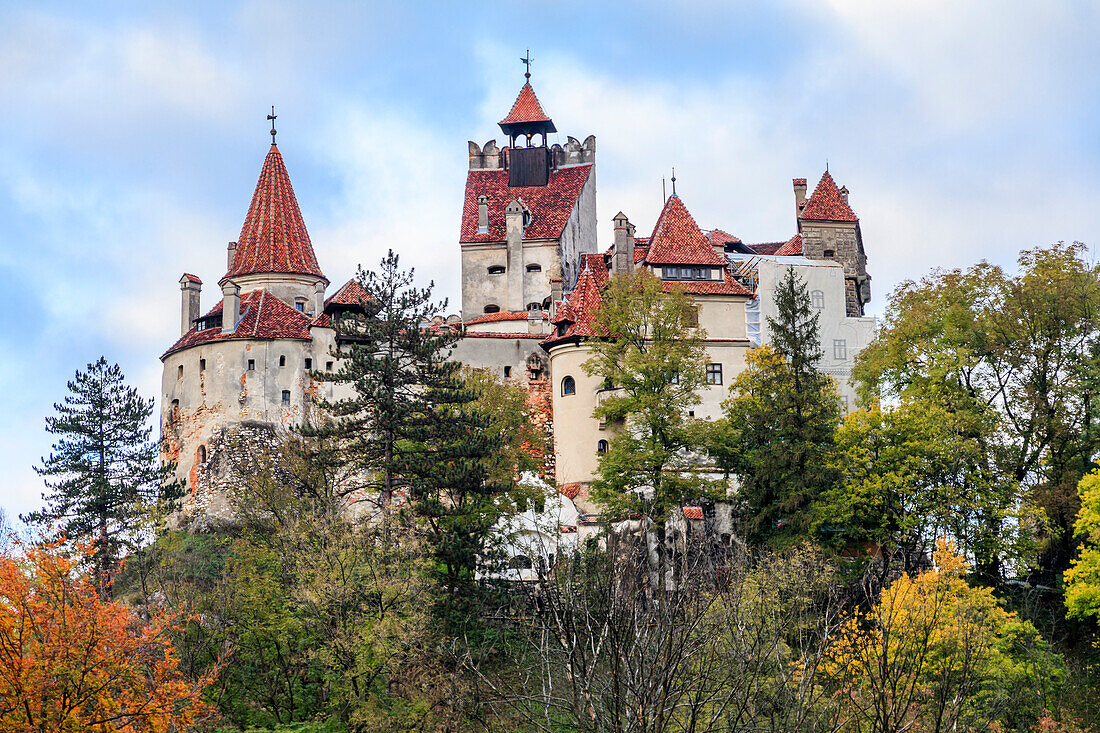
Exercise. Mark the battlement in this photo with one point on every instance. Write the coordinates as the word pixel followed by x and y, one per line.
pixel 574 152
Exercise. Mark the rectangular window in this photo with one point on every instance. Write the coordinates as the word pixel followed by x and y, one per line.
pixel 286 396
pixel 817 300
pixel 179 374
pixel 202 365
pixel 840 349
pixel 693 316
pixel 714 373
pixel 300 305
pixel 251 365
pixel 328 366
pixel 309 363
pixel 507 371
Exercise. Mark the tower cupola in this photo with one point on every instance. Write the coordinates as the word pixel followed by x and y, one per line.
pixel 528 165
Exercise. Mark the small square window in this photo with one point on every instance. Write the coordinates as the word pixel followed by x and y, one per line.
pixel 328 366
pixel 300 305
pixel 251 365
pixel 286 396
pixel 309 363
pixel 840 349
pixel 714 373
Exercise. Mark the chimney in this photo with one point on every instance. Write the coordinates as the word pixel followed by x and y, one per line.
pixel 624 245
pixel 555 291
pixel 482 214
pixel 190 288
pixel 513 236
pixel 231 253
pixel 318 299
pixel 231 307
pixel 799 198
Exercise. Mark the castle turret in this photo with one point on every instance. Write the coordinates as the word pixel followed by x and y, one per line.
pixel 624 245
pixel 529 165
pixel 830 231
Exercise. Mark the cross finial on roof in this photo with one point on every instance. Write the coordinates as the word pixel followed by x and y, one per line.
pixel 674 180
pixel 272 117
pixel 527 62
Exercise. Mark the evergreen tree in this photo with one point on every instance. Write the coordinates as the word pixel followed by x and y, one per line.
pixel 103 475
pixel 410 425
pixel 777 435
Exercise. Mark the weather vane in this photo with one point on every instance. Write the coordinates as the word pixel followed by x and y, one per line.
pixel 272 117
pixel 527 62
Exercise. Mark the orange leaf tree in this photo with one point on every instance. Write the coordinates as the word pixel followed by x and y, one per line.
pixel 71 661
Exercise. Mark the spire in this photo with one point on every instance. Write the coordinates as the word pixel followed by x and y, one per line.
pixel 274 237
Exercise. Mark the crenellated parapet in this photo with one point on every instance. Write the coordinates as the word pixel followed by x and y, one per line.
pixel 574 152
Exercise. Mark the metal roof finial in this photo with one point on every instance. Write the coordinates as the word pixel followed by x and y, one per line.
pixel 272 117
pixel 673 180
pixel 527 62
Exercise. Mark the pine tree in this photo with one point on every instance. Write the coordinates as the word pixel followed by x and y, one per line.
pixel 410 426
pixel 778 432
pixel 103 475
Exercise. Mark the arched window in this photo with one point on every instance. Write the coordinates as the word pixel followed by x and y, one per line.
pixel 534 268
pixel 568 387
pixel 534 306
pixel 601 447
pixel 282 360
pixel 496 270
pixel 492 308
pixel 202 454
pixel 817 300
pixel 526 218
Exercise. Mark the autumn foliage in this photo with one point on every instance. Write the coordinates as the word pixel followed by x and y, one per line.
pixel 72 662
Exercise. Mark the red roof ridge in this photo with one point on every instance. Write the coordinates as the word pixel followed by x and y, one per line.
pixel 260 318
pixel 526 108
pixel 191 278
pixel 792 246
pixel 504 316
pixel 273 237
pixel 827 203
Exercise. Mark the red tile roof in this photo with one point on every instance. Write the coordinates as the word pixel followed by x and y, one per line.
pixel 727 286
pixel 793 246
pixel 350 293
pixel 550 205
pixel 570 491
pixel 526 108
pixel 263 316
pixel 827 204
pixel 799 181
pixel 504 316
pixel 719 238
pixel 502 335
pixel 191 278
pixel 693 512
pixel 766 248
pixel 274 237
pixel 578 311
pixel 678 240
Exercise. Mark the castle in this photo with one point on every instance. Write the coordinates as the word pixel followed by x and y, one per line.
pixel 532 275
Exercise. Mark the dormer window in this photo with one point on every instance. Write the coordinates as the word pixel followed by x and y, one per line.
pixel 300 306
pixel 496 270
pixel 689 272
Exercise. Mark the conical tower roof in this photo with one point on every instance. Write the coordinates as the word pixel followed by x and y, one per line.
pixel 527 115
pixel 827 203
pixel 678 240
pixel 274 237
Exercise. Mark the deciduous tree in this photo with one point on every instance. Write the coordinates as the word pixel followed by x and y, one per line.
pixel 71 661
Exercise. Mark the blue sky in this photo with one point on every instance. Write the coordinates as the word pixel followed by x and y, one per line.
pixel 131 136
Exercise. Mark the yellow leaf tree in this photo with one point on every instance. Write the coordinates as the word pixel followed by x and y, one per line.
pixel 70 661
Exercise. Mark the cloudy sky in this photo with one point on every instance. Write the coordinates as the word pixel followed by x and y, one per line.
pixel 131 139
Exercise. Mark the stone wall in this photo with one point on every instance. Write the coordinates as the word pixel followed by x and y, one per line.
pixel 843 240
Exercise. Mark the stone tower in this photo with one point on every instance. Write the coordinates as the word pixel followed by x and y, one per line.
pixel 829 230
pixel 240 375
